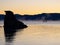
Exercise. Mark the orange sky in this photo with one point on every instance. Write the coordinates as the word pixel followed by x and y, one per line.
pixel 30 6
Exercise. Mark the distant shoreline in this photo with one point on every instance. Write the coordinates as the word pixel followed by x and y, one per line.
pixel 43 17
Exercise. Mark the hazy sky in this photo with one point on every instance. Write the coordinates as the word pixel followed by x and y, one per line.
pixel 30 6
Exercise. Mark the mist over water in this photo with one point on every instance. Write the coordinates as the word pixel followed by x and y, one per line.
pixel 37 33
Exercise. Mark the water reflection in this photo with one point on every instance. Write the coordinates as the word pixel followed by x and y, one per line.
pixel 43 34
pixel 10 33
pixel 40 34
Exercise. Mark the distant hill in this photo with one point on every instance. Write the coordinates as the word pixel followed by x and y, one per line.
pixel 43 16
pixel 1 16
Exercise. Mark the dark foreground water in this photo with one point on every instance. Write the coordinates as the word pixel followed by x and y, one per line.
pixel 35 34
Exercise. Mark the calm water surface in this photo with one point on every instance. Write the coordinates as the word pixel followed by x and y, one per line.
pixel 35 34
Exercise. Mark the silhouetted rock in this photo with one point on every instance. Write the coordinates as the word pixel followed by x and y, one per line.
pixel 11 22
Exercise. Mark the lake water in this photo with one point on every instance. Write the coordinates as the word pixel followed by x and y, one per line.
pixel 37 33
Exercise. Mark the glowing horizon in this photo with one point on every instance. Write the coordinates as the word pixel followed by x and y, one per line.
pixel 30 6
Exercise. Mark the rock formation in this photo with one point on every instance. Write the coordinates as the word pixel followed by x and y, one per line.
pixel 11 22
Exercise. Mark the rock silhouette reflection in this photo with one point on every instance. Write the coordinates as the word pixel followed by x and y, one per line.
pixel 10 33
pixel 11 24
